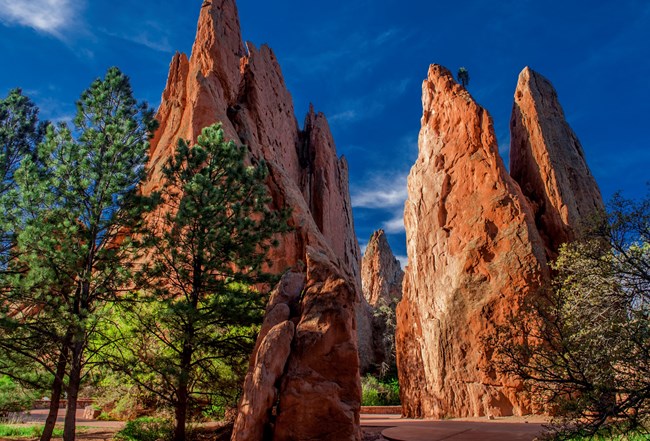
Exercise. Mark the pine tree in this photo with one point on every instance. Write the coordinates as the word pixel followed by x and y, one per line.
pixel 209 240
pixel 78 198
pixel 26 356
pixel 463 76
pixel 20 132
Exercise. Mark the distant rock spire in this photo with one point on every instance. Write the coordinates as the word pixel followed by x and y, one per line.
pixel 548 162
pixel 381 273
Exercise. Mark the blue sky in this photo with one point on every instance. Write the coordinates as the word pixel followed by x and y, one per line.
pixel 362 63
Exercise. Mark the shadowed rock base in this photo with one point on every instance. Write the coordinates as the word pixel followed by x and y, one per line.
pixel 317 390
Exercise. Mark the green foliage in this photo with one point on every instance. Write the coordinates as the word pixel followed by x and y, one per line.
pixel 146 429
pixel 375 392
pixel 119 397
pixel 76 196
pixel 20 132
pixel 12 431
pixel 583 347
pixel 14 398
pixel 192 326
pixel 463 76
pixel 609 437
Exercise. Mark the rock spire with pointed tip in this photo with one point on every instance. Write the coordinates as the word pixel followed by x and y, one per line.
pixel 548 162
pixel 474 256
pixel 243 88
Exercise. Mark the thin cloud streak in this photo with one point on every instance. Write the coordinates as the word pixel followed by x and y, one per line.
pixel 48 16
pixel 389 192
pixel 371 105
pixel 395 225
pixel 158 44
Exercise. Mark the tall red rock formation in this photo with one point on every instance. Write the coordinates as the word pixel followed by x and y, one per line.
pixel 309 342
pixel 381 280
pixel 548 162
pixel 243 88
pixel 474 255
pixel 381 272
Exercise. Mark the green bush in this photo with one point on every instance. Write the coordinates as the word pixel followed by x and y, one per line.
pixel 375 392
pixel 13 398
pixel 146 429
pixel 627 437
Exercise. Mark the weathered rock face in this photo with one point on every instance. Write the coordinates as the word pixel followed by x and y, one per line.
pixel 474 255
pixel 381 272
pixel 316 368
pixel 381 280
pixel 260 393
pixel 548 162
pixel 243 88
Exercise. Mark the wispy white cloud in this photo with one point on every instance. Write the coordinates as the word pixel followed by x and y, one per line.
pixel 395 224
pixel 346 52
pixel 149 34
pixel 48 16
pixel 344 116
pixel 385 191
pixel 159 44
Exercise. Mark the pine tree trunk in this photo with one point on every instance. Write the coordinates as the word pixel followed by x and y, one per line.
pixel 181 415
pixel 183 394
pixel 57 388
pixel 69 428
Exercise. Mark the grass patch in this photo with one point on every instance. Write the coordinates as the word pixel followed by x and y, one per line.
pixel 11 431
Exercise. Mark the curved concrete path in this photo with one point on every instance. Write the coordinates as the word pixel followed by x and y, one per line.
pixel 40 415
pixel 475 429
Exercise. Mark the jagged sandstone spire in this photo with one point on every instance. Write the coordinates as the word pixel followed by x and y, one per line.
pixel 381 272
pixel 474 255
pixel 243 88
pixel 381 280
pixel 548 162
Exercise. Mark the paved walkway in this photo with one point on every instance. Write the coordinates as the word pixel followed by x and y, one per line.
pixel 40 415
pixel 474 429
pixel 396 428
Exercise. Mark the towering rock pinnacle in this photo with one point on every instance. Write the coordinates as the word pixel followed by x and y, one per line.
pixel 548 162
pixel 243 88
pixel 474 255
pixel 381 273
pixel 381 279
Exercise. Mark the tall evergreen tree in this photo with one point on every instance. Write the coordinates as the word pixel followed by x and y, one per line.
pixel 78 197
pixel 209 240
pixel 20 132
pixel 25 356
